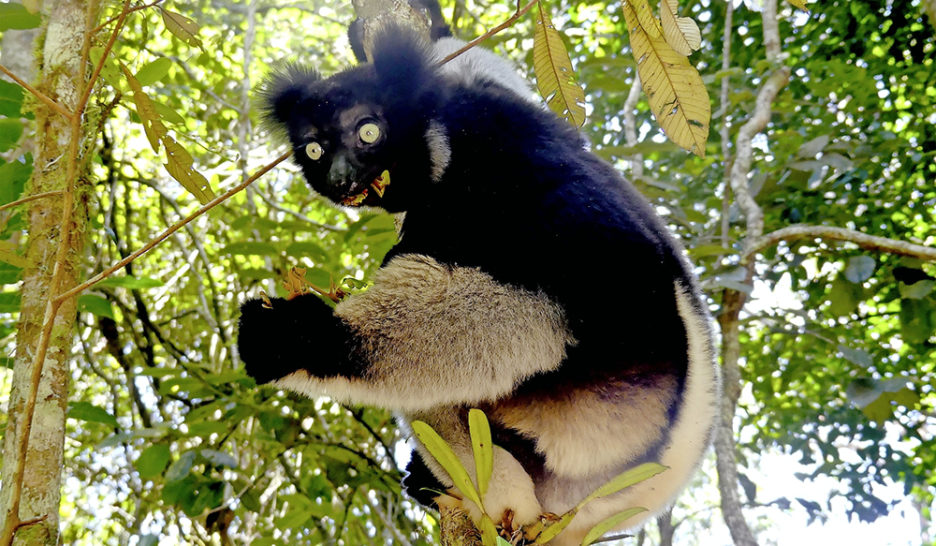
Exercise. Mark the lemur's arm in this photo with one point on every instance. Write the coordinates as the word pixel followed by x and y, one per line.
pixel 425 334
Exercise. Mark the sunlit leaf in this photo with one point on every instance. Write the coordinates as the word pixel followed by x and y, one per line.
pixel 181 27
pixel 681 33
pixel 555 77
pixel 625 479
pixel 610 523
pixel 674 88
pixel 444 455
pixel 89 303
pixel 483 448
pixel 179 162
pixel 154 71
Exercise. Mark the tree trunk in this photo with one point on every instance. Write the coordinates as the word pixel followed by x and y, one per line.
pixel 57 167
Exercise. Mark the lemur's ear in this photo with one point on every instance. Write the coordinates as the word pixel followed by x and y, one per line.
pixel 282 91
pixel 403 60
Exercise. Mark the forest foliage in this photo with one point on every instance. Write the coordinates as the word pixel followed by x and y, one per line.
pixel 169 440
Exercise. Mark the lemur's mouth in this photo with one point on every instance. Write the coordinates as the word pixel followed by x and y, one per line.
pixel 375 191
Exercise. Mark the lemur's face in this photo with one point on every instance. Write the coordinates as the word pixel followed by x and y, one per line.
pixel 343 146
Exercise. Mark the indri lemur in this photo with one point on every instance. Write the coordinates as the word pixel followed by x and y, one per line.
pixel 531 281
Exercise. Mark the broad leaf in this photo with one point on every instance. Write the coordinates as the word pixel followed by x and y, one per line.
pixel 674 88
pixel 555 78
pixel 444 455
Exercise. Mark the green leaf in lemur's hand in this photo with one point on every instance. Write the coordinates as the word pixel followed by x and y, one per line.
pixel 625 479
pixel 483 448
pixel 555 78
pixel 610 523
pixel 444 455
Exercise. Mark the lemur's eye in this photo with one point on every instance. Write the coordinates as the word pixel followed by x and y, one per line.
pixel 314 151
pixel 369 133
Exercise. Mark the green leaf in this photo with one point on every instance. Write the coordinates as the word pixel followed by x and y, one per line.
pixel 844 297
pixel 219 458
pixel 131 283
pixel 488 531
pixel 179 469
pixel 608 524
pixel 858 356
pixel 14 176
pixel 96 305
pixel 153 460
pixel 10 132
pixel 625 479
pixel 313 251
pixel 483 448
pixel 85 411
pixel 250 248
pixel 16 16
pixel 9 302
pixel 154 71
pixel 917 290
pixel 444 455
pixel 859 268
pixel 709 250
pixel 11 99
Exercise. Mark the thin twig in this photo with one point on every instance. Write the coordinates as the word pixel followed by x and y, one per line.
pixel 100 27
pixel 172 229
pixel 38 94
pixel 510 20
pixel 104 54
pixel 42 195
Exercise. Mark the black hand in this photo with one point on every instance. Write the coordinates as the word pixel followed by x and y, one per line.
pixel 301 333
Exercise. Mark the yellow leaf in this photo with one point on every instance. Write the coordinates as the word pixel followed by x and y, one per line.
pixel 181 27
pixel 677 96
pixel 179 162
pixel 801 4
pixel 555 78
pixel 681 33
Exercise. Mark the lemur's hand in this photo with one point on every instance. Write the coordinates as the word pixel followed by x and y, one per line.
pixel 277 336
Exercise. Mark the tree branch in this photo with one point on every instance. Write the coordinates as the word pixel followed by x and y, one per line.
pixel 863 240
pixel 38 94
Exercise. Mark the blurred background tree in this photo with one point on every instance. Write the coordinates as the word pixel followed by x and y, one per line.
pixel 167 440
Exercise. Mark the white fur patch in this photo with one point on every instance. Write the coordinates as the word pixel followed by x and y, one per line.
pixel 689 437
pixel 478 65
pixel 440 153
pixel 442 335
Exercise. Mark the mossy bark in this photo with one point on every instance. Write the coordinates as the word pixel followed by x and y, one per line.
pixel 57 167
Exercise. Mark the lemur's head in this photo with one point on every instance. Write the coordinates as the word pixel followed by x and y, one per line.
pixel 362 136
